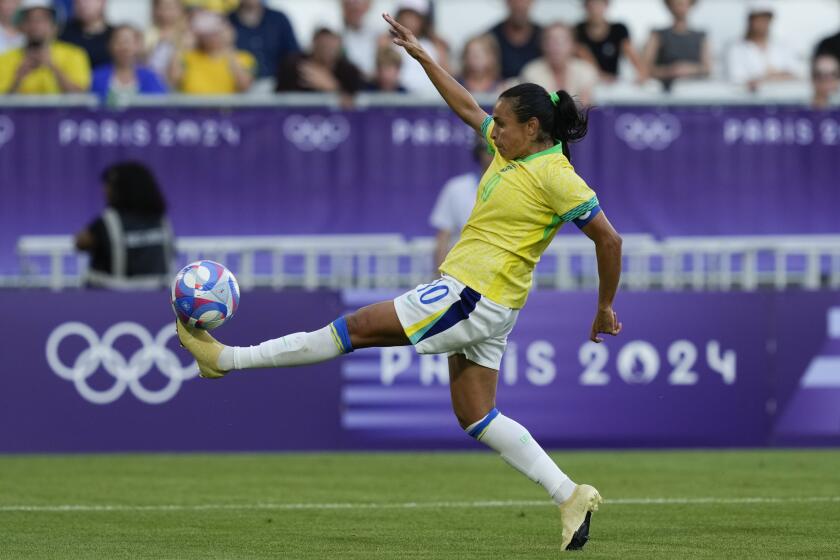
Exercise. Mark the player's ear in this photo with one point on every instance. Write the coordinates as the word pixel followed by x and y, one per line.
pixel 533 125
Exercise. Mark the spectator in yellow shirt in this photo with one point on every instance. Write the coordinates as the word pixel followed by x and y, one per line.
pixel 43 65
pixel 214 66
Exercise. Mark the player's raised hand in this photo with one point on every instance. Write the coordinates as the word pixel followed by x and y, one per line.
pixel 606 322
pixel 403 37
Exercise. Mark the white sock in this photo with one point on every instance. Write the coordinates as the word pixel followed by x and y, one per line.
pixel 297 349
pixel 520 451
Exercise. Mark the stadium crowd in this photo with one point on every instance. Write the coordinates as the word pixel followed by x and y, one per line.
pixel 237 46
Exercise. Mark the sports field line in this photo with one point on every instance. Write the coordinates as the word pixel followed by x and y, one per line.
pixel 404 505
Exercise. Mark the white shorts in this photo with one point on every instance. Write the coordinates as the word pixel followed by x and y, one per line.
pixel 447 317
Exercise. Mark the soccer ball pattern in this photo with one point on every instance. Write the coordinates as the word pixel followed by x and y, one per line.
pixel 205 295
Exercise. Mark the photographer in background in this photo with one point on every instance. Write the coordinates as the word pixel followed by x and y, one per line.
pixel 130 243
pixel 43 65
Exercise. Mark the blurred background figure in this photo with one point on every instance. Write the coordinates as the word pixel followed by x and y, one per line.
pixel 130 243
pixel 825 78
pixel 558 68
pixel 169 33
pixel 213 66
pixel 678 52
pixel 518 38
pixel 481 69
pixel 757 59
pixel 43 65
pixel 10 35
pixel 416 15
pixel 123 77
pixel 455 203
pixel 218 6
pixel 89 30
pixel 387 77
pixel 829 45
pixel 359 36
pixel 324 69
pixel 266 34
pixel 603 43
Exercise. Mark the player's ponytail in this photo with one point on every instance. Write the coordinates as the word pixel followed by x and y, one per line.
pixel 570 123
pixel 559 116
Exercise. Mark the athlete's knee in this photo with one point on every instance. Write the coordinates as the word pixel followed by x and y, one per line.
pixel 359 323
pixel 469 415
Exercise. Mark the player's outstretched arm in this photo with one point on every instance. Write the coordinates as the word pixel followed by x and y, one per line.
pixel 608 251
pixel 458 98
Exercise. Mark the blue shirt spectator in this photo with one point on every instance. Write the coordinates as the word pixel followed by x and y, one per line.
pixel 124 77
pixel 519 38
pixel 265 33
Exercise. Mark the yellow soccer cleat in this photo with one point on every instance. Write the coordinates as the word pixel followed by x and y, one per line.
pixel 204 348
pixel 575 514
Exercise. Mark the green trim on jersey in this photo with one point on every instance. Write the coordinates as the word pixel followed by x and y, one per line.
pixel 555 149
pixel 555 221
pixel 579 210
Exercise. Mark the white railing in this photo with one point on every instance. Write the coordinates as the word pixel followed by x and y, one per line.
pixel 390 261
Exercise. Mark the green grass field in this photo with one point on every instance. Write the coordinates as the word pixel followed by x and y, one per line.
pixel 698 504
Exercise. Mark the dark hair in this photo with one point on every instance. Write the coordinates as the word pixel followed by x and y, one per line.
pixel 563 122
pixel 134 189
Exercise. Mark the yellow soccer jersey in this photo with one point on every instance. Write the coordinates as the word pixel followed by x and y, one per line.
pixel 519 207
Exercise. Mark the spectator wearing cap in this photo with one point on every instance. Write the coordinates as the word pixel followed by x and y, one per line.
pixel 266 34
pixel 604 43
pixel 387 76
pixel 558 68
pixel 89 30
pixel 518 38
pixel 169 33
pixel 481 68
pixel 757 59
pixel 213 66
pixel 825 79
pixel 678 52
pixel 124 78
pixel 323 69
pixel 43 65
pixel 10 35
pixel 416 16
pixel 359 36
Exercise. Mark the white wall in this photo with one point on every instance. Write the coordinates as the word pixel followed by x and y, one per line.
pixel 799 23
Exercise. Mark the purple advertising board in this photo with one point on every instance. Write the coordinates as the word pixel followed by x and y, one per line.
pixel 662 171
pixel 100 371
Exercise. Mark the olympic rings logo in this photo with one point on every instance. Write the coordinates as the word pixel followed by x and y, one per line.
pixel 7 130
pixel 316 132
pixel 648 131
pixel 126 372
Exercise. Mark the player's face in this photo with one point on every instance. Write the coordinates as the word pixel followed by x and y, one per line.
pixel 512 138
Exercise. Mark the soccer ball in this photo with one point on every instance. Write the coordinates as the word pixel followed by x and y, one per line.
pixel 205 295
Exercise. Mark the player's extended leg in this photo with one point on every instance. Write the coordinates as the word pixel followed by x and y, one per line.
pixel 374 325
pixel 473 390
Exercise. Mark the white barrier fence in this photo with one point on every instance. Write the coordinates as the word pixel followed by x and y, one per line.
pixel 390 261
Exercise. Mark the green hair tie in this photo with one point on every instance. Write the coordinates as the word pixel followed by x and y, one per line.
pixel 555 99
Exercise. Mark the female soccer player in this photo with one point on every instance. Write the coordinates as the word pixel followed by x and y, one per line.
pixel 528 191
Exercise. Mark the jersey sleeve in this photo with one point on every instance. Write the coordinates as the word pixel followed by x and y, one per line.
pixel 572 199
pixel 486 131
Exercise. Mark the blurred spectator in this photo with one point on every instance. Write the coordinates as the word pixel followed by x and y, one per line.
pixel 558 68
pixel 825 77
pixel 213 66
pixel 415 15
pixel 130 243
pixel 124 78
pixel 387 77
pixel 603 43
pixel 170 33
pixel 481 69
pixel 455 203
pixel 324 69
pixel 359 36
pixel 518 38
pixel 89 30
pixel 10 35
pixel 266 34
pixel 43 65
pixel 218 6
pixel 678 52
pixel 756 59
pixel 829 45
